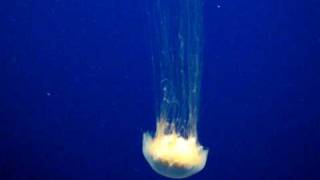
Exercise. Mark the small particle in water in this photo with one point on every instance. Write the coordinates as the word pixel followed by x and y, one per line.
pixel 219 6
pixel 48 93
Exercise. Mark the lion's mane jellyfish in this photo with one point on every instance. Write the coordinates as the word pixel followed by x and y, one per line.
pixel 174 150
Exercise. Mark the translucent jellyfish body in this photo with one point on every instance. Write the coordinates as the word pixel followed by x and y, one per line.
pixel 172 155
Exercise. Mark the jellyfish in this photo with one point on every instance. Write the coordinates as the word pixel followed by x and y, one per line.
pixel 174 150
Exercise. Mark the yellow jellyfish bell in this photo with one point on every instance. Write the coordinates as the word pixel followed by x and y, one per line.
pixel 172 155
pixel 174 150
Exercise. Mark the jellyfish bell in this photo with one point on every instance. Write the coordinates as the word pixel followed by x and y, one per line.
pixel 172 155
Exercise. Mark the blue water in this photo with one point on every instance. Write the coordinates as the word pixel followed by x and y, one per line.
pixel 76 90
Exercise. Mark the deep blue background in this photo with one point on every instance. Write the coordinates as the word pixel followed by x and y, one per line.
pixel 76 90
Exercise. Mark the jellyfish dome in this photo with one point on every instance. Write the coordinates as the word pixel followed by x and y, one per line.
pixel 172 155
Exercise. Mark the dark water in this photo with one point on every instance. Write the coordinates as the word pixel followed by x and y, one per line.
pixel 76 90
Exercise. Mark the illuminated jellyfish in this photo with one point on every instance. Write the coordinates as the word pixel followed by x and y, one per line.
pixel 174 150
